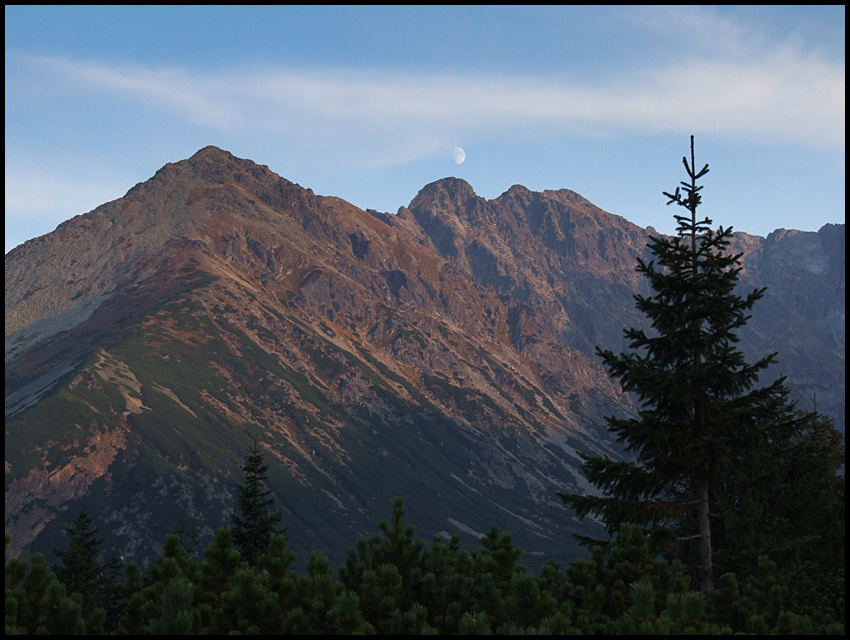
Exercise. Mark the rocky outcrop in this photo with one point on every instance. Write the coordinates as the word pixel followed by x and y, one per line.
pixel 446 353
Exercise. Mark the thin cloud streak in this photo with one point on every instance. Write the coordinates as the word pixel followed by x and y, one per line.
pixel 784 96
pixel 696 29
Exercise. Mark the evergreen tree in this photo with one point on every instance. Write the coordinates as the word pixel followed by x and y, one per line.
pixel 701 421
pixel 189 538
pixel 79 569
pixel 790 507
pixel 177 616
pixel 131 620
pixel 219 569
pixel 382 573
pixel 324 605
pixel 60 614
pixel 254 525
pixel 111 597
pixel 25 590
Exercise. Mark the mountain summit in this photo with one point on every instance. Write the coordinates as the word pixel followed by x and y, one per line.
pixel 444 354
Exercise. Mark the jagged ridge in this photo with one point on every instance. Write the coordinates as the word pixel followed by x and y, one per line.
pixel 444 354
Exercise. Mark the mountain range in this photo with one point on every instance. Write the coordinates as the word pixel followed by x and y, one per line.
pixel 444 353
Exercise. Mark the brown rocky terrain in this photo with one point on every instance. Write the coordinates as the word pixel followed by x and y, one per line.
pixel 445 354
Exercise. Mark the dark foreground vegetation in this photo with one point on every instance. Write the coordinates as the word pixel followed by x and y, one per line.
pixel 392 583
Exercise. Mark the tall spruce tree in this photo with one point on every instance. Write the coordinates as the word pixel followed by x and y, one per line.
pixel 79 569
pixel 701 422
pixel 254 524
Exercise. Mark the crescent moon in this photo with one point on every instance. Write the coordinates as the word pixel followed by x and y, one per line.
pixel 460 155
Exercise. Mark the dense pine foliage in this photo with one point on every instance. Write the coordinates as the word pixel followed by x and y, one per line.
pixel 393 583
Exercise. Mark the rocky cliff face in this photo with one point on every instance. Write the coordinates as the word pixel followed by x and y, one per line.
pixel 444 354
pixel 802 314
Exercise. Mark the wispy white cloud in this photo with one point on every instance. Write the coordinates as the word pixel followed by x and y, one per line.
pixel 781 94
pixel 202 101
pixel 692 31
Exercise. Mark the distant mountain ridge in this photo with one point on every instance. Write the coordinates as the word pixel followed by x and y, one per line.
pixel 445 353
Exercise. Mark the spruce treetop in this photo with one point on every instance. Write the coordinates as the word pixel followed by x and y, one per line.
pixel 700 420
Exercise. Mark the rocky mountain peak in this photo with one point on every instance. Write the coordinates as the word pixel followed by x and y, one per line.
pixel 121 243
pixel 218 166
pixel 450 348
pixel 517 192
pixel 214 152
pixel 447 195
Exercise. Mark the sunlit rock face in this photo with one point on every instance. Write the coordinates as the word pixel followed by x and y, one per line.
pixel 444 353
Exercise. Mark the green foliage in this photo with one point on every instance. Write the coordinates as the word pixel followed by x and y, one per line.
pixel 795 515
pixel 218 570
pixel 77 567
pixel 475 625
pixel 60 614
pixel 324 605
pixel 276 567
pixel 132 620
pixel 378 571
pixel 254 524
pixel 24 593
pixel 83 575
pixel 392 583
pixel 176 616
pixel 444 584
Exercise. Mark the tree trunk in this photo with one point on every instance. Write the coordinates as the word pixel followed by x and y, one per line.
pixel 706 578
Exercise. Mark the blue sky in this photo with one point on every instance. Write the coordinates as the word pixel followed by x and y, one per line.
pixel 369 103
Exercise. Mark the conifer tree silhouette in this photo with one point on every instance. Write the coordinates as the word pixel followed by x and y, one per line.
pixel 700 417
pixel 254 523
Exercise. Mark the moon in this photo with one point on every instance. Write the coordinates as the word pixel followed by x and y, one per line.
pixel 460 155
